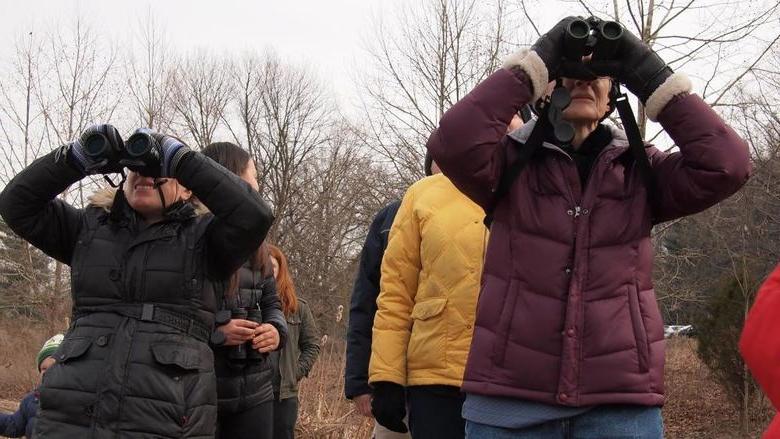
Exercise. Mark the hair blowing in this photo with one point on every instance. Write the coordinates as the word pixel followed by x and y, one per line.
pixel 284 283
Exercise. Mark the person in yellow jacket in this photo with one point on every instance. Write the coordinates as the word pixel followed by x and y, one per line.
pixel 426 306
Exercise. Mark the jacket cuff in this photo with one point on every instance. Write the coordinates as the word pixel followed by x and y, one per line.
pixel 533 66
pixel 674 85
pixel 176 159
pixel 356 390
pixel 282 330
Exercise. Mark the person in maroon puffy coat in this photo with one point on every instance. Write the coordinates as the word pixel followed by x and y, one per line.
pixel 568 340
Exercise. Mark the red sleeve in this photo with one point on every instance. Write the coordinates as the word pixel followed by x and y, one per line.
pixel 760 341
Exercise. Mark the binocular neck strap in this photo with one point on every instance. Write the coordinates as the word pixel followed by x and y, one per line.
pixel 158 185
pixel 525 152
pixel 635 143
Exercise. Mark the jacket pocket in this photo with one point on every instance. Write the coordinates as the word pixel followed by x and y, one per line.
pixel 640 333
pixel 428 340
pixel 183 357
pixel 429 308
pixel 184 378
pixel 72 348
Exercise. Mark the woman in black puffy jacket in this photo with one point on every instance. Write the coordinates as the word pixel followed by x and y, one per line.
pixel 249 314
pixel 145 272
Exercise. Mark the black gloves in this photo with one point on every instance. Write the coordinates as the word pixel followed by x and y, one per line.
pixel 549 46
pixel 389 406
pixel 635 65
pixel 154 154
pixel 632 62
pixel 100 150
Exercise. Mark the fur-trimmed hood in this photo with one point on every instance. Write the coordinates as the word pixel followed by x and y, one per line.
pixel 103 198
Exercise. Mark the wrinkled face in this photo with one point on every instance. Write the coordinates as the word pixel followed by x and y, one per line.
pixel 47 363
pixel 250 175
pixel 589 100
pixel 144 198
pixel 275 264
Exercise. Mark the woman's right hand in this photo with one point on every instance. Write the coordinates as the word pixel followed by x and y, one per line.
pixel 237 331
pixel 363 404
pixel 103 140
pixel 549 46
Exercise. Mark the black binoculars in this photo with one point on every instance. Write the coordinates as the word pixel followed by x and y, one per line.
pixel 593 36
pixel 245 351
pixel 141 153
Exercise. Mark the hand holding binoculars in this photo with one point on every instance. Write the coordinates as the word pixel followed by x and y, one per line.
pixel 594 38
pixel 144 152
pixel 245 351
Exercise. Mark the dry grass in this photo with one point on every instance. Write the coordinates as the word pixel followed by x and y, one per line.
pixel 20 341
pixel 324 412
pixel 696 407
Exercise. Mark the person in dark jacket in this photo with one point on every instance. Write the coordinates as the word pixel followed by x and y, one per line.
pixel 22 422
pixel 244 388
pixel 568 339
pixel 144 274
pixel 295 360
pixel 363 308
pixel 361 317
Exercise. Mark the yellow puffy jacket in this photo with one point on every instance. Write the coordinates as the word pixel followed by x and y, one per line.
pixel 429 287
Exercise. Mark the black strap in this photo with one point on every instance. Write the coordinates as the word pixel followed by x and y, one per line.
pixel 148 312
pixel 636 145
pixel 525 152
pixel 543 125
pixel 526 113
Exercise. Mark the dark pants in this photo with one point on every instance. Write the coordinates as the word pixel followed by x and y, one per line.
pixel 285 415
pixel 253 423
pixel 435 411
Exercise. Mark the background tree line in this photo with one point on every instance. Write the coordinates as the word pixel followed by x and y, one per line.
pixel 327 168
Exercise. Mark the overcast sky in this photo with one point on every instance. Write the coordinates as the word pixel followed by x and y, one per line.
pixel 327 34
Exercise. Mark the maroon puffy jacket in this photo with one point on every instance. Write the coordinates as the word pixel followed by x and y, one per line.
pixel 567 312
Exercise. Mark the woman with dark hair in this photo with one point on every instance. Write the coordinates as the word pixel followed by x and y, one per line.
pixel 296 359
pixel 136 361
pixel 248 310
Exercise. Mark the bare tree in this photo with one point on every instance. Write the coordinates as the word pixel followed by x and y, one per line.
pixel 150 76
pixel 202 89
pixel 340 192
pixel 246 103
pixel 425 59
pixel 24 271
pixel 20 115
pixel 75 93
pixel 294 118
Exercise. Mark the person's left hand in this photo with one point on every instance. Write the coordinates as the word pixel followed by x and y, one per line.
pixel 363 404
pixel 266 338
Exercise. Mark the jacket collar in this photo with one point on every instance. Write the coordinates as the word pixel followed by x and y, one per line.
pixel 115 204
pixel 619 141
